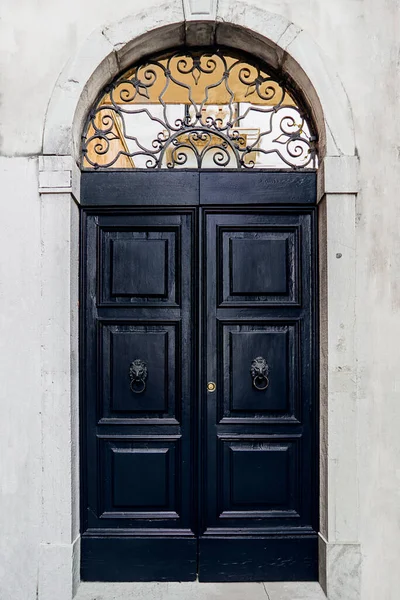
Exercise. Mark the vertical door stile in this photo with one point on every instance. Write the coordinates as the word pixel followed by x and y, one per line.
pixel 201 287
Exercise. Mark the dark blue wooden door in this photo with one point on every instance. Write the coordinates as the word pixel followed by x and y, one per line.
pixel 259 512
pixel 199 438
pixel 138 381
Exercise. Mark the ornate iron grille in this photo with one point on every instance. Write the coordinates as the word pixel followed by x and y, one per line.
pixel 198 109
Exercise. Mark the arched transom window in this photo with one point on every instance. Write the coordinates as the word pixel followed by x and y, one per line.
pixel 199 109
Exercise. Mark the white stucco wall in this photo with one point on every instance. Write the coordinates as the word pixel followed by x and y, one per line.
pixel 360 40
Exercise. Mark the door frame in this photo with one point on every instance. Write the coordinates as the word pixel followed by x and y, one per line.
pixel 59 188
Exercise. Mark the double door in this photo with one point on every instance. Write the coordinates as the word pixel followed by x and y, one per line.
pixel 199 453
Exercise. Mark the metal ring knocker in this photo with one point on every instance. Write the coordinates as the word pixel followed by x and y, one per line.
pixel 138 375
pixel 259 371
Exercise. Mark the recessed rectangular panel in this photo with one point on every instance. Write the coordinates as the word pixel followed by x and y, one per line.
pixel 274 392
pixel 157 347
pixel 140 478
pixel 261 392
pixel 139 268
pixel 258 267
pixel 259 475
pixel 143 477
pixel 150 393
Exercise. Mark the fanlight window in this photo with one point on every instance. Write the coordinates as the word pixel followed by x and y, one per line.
pixel 198 109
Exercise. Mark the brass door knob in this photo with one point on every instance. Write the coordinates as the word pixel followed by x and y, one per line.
pixel 211 386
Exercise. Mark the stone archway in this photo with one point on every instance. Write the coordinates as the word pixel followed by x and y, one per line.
pixel 104 54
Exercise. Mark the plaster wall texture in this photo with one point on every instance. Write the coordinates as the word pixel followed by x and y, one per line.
pixel 360 40
pixel 20 372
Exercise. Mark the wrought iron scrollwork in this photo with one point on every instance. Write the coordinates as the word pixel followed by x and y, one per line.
pixel 198 109
pixel 138 374
pixel 259 372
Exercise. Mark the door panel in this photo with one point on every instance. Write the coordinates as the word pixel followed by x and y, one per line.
pixel 273 256
pixel 240 344
pixel 138 440
pixel 257 187
pixel 259 447
pixel 245 559
pixel 158 345
pixel 153 276
pixel 151 187
pixel 151 462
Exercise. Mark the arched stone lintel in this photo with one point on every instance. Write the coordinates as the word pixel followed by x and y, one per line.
pixel 269 36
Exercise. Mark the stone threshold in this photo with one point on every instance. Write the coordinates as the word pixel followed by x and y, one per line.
pixel 200 591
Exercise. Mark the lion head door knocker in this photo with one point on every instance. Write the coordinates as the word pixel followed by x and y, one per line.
pixel 138 375
pixel 259 371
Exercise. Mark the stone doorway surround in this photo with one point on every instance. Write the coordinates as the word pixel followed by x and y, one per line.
pixel 104 54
